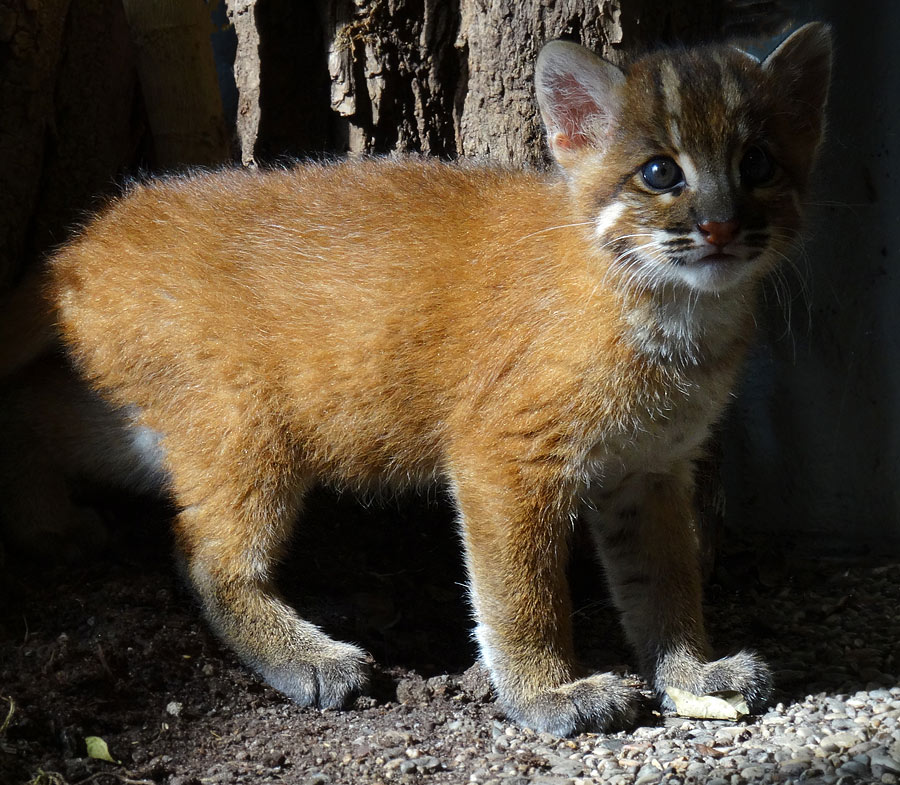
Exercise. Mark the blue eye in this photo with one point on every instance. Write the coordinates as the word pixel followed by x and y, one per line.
pixel 662 174
pixel 757 167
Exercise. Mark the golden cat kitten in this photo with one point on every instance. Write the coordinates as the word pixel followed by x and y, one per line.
pixel 543 343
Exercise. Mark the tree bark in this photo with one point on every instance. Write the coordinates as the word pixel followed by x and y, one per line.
pixel 242 14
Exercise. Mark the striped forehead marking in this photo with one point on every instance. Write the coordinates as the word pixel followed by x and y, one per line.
pixel 702 99
pixel 730 88
pixel 670 87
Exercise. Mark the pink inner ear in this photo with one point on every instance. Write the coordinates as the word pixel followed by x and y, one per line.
pixel 574 107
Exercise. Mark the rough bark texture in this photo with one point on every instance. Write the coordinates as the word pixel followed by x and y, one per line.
pixel 395 74
pixel 242 15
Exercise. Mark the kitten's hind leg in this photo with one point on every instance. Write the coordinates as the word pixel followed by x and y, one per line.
pixel 231 547
pixel 648 544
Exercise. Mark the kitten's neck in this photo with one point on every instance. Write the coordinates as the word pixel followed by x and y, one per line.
pixel 674 324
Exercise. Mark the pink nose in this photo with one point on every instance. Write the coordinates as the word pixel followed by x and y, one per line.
pixel 719 233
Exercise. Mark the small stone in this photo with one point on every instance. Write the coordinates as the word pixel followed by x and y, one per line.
pixel 407 766
pixel 840 741
pixel 647 774
pixel 883 760
pixel 428 763
pixel 852 768
pixel 568 768
pixel 273 759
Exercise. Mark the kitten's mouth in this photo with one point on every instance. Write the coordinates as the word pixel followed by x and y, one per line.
pixel 720 257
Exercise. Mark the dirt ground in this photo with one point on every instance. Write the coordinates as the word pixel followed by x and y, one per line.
pixel 114 647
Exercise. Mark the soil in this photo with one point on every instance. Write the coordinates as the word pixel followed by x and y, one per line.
pixel 114 647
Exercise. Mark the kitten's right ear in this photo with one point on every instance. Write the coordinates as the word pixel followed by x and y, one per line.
pixel 579 97
pixel 801 66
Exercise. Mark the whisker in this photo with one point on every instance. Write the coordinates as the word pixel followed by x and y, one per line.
pixel 554 228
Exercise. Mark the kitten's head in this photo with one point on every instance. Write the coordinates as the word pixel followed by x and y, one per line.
pixel 690 164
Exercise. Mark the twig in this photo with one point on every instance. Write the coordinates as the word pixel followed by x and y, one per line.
pixel 9 715
pixel 102 657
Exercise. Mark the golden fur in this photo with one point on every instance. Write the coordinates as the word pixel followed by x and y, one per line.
pixel 402 322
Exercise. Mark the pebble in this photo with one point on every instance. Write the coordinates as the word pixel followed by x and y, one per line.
pixel 888 762
pixel 840 741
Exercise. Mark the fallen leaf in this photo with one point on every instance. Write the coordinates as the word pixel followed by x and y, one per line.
pixel 715 706
pixel 96 748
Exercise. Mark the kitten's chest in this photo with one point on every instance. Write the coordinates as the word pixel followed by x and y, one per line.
pixel 662 425
pixel 674 381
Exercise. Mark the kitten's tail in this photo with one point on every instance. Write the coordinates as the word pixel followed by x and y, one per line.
pixel 27 323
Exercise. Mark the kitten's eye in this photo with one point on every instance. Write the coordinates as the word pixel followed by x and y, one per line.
pixel 757 166
pixel 662 174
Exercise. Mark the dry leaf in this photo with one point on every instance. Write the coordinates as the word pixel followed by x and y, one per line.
pixel 715 706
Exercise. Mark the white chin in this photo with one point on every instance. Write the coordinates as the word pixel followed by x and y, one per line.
pixel 714 276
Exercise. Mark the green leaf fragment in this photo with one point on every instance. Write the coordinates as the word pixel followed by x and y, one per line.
pixel 96 748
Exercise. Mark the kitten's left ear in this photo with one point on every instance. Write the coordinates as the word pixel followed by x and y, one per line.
pixel 801 66
pixel 579 97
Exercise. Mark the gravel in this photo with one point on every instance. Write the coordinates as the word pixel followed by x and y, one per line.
pixel 118 650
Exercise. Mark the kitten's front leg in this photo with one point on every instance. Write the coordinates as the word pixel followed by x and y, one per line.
pixel 648 544
pixel 516 538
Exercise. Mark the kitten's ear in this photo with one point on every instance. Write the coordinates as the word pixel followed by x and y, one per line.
pixel 801 67
pixel 579 97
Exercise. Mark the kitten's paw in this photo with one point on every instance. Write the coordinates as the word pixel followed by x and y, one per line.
pixel 601 703
pixel 328 678
pixel 743 672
